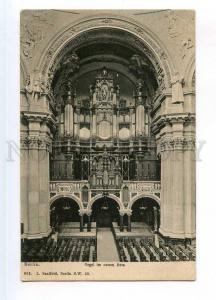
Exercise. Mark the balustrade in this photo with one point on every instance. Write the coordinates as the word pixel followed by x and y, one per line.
pixel 143 186
pixel 67 186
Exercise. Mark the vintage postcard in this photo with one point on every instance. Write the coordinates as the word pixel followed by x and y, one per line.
pixel 107 145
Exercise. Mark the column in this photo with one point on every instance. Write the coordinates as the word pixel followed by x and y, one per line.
pixel 114 98
pixel 24 180
pixel 147 122
pixel 140 110
pixel 121 222
pixel 178 187
pixel 131 122
pixel 155 219
pixel 189 187
pixel 33 185
pixel 94 123
pixel 129 222
pixel 117 122
pixel 78 121
pixel 89 223
pixel 37 184
pixel 68 115
pixel 114 123
pixel 140 118
pixel 172 186
pixel 61 129
pixel 94 97
pixel 44 179
pixel 81 222
pixel 166 182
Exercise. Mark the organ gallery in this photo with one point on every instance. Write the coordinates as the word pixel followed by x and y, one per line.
pixel 103 137
pixel 107 142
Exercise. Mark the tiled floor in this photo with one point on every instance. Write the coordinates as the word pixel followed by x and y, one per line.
pixel 106 247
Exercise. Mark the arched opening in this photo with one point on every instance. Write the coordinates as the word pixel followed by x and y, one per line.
pixel 105 211
pixel 104 90
pixel 63 210
pixel 146 211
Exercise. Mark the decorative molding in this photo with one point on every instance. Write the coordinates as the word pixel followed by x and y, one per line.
pixel 24 143
pixel 33 142
pixel 168 119
pixel 45 143
pixel 40 117
pixel 67 187
pixel 177 143
pixel 138 36
pixel 146 186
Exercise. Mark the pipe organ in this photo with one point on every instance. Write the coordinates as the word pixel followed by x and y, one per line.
pixel 103 137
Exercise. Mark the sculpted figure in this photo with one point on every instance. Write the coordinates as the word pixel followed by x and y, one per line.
pixel 177 91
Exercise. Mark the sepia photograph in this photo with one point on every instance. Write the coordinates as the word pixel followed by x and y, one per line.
pixel 107 145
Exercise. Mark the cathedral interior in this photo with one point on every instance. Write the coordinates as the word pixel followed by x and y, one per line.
pixel 91 135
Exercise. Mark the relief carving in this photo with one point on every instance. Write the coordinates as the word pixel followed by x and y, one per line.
pixel 179 27
pixel 185 46
pixel 172 24
pixel 34 29
pixel 177 143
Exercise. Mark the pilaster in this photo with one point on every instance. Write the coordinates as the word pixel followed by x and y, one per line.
pixel 177 183
pixel 35 190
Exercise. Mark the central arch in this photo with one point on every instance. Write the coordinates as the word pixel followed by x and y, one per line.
pixel 83 31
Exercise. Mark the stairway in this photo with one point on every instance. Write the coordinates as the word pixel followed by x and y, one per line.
pixel 106 246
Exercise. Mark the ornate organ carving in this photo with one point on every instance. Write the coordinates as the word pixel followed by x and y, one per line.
pixel 104 137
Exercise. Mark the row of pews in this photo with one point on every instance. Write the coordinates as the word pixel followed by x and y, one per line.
pixel 64 249
pixel 144 250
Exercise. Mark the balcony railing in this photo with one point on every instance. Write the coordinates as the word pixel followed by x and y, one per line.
pixel 143 186
pixel 67 186
pixel 76 186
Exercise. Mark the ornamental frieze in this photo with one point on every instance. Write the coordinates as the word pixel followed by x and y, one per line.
pixel 64 188
pixel 177 143
pixel 67 187
pixel 35 142
pixel 24 142
pixel 45 143
pixel 143 187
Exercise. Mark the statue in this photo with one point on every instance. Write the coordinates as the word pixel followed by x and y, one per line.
pixel 177 91
pixel 104 72
pixel 105 178
pixel 28 88
pixel 104 91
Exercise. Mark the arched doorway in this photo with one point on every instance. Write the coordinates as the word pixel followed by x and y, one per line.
pixel 105 211
pixel 147 211
pixel 64 210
